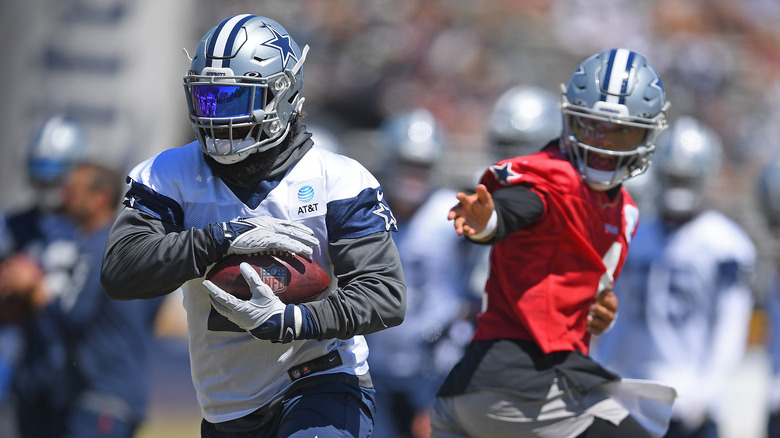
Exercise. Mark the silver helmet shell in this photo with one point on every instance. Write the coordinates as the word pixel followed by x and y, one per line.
pixel 614 86
pixel 687 158
pixel 413 142
pixel 414 136
pixel 244 87
pixel 522 121
pixel 54 148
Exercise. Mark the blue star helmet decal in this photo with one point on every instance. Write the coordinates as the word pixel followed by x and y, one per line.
pixel 504 172
pixel 282 43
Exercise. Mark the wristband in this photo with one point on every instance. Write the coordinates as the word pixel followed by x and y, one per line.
pixel 489 229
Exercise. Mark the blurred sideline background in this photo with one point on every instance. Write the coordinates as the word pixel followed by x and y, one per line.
pixel 116 66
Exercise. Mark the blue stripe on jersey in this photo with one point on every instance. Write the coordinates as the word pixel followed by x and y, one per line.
pixel 253 197
pixel 159 206
pixel 731 272
pixel 360 216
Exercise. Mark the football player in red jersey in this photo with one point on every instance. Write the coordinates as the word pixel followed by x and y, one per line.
pixel 559 223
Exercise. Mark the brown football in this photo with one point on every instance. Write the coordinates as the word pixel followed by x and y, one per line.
pixel 293 278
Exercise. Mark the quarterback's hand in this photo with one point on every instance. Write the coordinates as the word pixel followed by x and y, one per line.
pixel 602 313
pixel 263 233
pixel 265 316
pixel 473 212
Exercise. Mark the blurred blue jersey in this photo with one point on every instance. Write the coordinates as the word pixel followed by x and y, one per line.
pixel 685 307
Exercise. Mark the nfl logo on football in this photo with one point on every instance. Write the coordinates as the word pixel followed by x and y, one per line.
pixel 275 277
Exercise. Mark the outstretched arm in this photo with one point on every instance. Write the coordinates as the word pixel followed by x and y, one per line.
pixel 473 213
pixel 486 218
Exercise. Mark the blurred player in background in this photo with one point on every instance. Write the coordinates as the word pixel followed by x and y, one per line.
pixel 32 354
pixel 768 189
pixel 325 138
pixel 409 362
pixel 522 121
pixel 685 291
pixel 253 182
pixel 559 224
pixel 105 341
pixel 644 191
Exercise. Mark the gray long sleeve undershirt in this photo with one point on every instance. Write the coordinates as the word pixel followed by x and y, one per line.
pixel 144 258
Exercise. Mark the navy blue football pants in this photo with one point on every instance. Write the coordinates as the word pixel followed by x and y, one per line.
pixel 332 409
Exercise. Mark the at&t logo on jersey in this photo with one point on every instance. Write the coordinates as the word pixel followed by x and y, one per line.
pixel 307 199
pixel 305 194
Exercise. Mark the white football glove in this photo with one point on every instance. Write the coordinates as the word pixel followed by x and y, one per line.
pixel 265 316
pixel 263 233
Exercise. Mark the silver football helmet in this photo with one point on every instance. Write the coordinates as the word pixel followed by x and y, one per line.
pixel 522 121
pixel 687 158
pixel 244 87
pixel 413 142
pixel 768 189
pixel 414 136
pixel 614 107
pixel 54 148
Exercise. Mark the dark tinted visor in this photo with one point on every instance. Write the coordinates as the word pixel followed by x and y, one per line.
pixel 224 100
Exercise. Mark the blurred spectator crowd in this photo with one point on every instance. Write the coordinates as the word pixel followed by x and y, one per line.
pixel 719 61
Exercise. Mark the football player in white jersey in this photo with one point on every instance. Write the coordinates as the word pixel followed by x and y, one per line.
pixel 685 291
pixel 253 182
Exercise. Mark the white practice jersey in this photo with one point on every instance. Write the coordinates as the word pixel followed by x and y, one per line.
pixel 321 185
pixel 684 309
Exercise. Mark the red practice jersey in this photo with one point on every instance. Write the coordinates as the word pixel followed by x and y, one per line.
pixel 544 278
